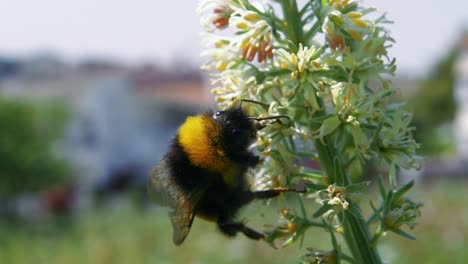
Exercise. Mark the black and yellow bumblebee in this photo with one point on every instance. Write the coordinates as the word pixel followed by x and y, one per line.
pixel 204 172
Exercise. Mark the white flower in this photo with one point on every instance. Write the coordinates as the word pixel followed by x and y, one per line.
pixel 300 62
pixel 256 41
pixel 232 85
pixel 337 196
pixel 215 14
pixel 222 56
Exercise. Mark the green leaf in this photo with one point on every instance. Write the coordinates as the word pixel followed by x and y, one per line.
pixel 376 215
pixel 329 125
pixel 382 191
pixel 348 258
pixel 392 174
pixel 355 212
pixel 388 202
pixel 280 72
pixel 313 31
pixel 357 187
pixel 331 231
pixel 260 77
pixel 323 209
pixel 317 54
pixel 315 186
pixel 404 234
pixel 396 106
pixel 301 203
pixel 290 240
pixel 403 189
pixel 360 139
pixel 342 139
pixel 309 95
pixel 317 174
pixel 349 8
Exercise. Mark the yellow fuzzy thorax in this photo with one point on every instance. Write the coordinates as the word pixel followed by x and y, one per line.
pixel 196 138
pixel 199 137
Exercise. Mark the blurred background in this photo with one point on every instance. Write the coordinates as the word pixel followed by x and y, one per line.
pixel 91 93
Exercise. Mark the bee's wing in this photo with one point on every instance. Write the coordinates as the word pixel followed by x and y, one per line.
pixel 166 193
pixel 182 216
pixel 161 188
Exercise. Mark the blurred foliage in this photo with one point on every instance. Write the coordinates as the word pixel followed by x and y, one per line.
pixel 125 234
pixel 433 104
pixel 27 137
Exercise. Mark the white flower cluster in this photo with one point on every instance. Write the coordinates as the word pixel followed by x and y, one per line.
pixel 336 90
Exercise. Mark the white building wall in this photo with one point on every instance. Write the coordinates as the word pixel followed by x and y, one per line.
pixel 461 99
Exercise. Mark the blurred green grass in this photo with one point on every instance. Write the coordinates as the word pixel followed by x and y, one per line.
pixel 126 234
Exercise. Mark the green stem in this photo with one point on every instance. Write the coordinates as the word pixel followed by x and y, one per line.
pixel 292 17
pixel 355 230
pixel 378 234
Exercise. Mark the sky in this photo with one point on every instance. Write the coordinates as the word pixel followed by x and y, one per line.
pixel 160 31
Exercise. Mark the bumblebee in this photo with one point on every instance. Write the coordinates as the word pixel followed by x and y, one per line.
pixel 204 172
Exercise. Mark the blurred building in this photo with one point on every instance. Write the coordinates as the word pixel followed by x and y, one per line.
pixel 461 99
pixel 121 127
pixel 9 68
pixel 452 167
pixel 121 118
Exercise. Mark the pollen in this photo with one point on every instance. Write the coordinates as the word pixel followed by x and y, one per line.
pixel 354 14
pixel 220 66
pixel 355 35
pixel 360 23
pixel 242 25
pixel 221 44
pixel 251 17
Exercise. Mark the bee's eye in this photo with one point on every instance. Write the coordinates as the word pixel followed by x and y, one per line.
pixel 217 114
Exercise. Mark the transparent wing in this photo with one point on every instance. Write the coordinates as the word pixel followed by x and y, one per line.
pixel 161 188
pixel 164 192
pixel 182 219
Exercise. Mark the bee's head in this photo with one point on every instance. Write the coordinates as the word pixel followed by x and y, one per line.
pixel 238 131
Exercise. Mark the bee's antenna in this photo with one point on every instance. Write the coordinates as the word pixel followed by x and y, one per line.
pixel 261 126
pixel 254 102
pixel 268 117
pixel 258 119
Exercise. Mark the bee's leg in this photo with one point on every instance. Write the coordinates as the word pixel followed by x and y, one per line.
pixel 252 234
pixel 267 194
pixel 231 229
pixel 249 196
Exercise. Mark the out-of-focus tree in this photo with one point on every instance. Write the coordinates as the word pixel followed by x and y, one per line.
pixel 433 104
pixel 28 133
